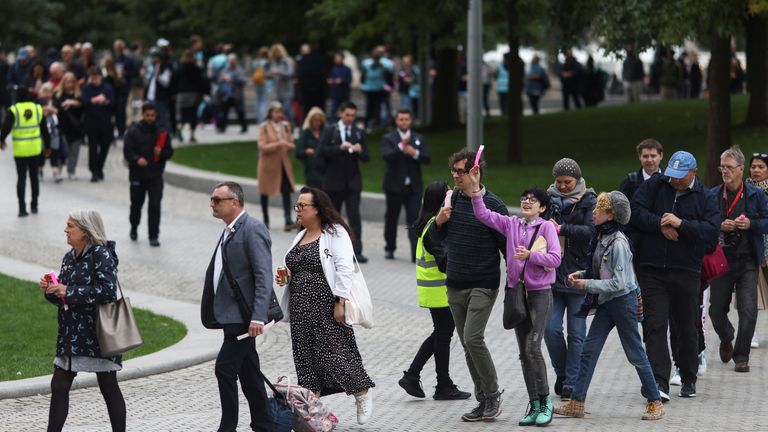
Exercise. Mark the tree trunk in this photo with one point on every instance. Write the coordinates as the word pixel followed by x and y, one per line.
pixel 516 70
pixel 757 65
pixel 719 128
pixel 445 113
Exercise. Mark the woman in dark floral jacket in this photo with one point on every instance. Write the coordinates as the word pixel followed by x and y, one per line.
pixel 87 279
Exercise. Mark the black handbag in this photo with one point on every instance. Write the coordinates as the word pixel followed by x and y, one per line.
pixel 274 313
pixel 515 302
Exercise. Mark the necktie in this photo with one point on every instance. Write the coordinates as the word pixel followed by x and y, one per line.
pixel 347 134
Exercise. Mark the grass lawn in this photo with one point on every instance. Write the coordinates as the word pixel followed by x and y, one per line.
pixel 28 331
pixel 602 141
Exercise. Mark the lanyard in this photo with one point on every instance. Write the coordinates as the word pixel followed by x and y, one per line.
pixel 735 200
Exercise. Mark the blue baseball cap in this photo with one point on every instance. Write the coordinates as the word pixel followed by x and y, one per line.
pixel 23 54
pixel 679 164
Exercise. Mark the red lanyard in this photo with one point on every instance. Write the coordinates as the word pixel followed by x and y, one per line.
pixel 735 200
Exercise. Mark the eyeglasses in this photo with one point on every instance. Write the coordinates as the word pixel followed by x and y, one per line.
pixel 300 206
pixel 459 172
pixel 530 199
pixel 722 168
pixel 217 200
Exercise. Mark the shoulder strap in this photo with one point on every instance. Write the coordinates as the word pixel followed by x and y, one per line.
pixel 530 245
pixel 633 177
pixel 234 286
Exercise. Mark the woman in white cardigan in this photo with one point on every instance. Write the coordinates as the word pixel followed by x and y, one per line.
pixel 321 264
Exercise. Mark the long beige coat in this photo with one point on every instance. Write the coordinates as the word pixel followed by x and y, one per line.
pixel 273 153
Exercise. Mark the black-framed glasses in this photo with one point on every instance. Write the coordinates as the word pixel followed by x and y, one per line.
pixel 530 198
pixel 300 206
pixel 217 200
pixel 459 172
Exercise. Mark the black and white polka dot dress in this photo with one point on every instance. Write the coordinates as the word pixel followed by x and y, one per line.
pixel 324 352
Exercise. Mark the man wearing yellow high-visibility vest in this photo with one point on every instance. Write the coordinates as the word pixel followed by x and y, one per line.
pixel 26 124
pixel 430 284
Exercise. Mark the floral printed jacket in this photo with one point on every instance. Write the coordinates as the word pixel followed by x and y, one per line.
pixel 91 280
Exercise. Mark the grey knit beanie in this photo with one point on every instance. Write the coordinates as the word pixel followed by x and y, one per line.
pixel 566 167
pixel 620 205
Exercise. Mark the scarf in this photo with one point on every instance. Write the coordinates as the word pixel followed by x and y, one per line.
pixel 762 184
pixel 565 200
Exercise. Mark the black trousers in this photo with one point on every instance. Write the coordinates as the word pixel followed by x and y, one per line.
pixel 699 327
pixel 670 294
pixel 351 201
pixel 438 344
pixel 140 189
pixel 26 165
pixel 239 109
pixel 120 106
pixel 411 200
pixel 743 280
pixel 239 359
pixel 568 93
pixel 534 101
pixel 99 139
pixel 373 101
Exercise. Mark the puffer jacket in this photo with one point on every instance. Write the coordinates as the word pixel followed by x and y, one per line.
pixel 91 280
pixel 577 228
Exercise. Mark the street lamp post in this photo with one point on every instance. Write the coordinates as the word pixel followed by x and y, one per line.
pixel 475 69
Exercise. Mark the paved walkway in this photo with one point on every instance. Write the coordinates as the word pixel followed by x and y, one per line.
pixel 187 399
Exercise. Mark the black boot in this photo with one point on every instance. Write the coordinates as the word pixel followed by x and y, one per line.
pixel 23 210
pixel 33 207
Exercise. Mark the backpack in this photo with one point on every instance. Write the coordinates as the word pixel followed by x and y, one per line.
pixel 310 414
pixel 259 77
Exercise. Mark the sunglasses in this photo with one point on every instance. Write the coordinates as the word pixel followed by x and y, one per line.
pixel 760 155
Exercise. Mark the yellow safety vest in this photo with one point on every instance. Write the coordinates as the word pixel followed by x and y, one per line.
pixel 430 281
pixel 27 140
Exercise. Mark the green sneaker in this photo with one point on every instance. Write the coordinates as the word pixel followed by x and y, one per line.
pixel 545 411
pixel 530 416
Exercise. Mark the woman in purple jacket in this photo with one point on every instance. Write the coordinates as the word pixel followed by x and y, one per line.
pixel 535 268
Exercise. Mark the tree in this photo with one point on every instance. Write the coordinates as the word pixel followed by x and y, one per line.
pixel 29 22
pixel 757 63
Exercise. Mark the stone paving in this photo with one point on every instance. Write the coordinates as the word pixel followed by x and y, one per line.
pixel 188 399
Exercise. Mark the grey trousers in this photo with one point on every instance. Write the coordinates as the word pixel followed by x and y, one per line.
pixel 74 154
pixel 743 280
pixel 471 308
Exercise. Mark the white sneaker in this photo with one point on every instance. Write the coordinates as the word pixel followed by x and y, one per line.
pixel 364 407
pixel 702 365
pixel 676 380
pixel 755 343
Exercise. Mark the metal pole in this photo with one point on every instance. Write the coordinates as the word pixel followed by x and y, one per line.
pixel 475 70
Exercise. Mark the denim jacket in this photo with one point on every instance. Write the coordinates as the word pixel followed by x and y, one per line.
pixel 617 276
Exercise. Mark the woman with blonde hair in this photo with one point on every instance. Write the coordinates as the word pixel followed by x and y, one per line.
pixel 281 71
pixel 306 147
pixel 71 122
pixel 275 172
pixel 88 278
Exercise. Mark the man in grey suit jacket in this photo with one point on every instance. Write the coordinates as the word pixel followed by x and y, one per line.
pixel 245 247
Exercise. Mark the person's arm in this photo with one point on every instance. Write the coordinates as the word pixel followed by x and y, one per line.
pixel 266 146
pixel 327 149
pixel 167 152
pixel 341 249
pixel 423 156
pixel 552 257
pixel 288 136
pixel 708 227
pixel 103 288
pixel 364 156
pixel 44 134
pixel 301 144
pixel 500 223
pixel 620 275
pixel 437 250
pixel 259 247
pixel 8 122
pixel 643 219
pixel 759 225
pixel 346 76
pixel 583 231
pixel 389 149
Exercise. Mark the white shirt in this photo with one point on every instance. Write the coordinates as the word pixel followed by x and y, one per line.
pixel 646 176
pixel 217 261
pixel 343 131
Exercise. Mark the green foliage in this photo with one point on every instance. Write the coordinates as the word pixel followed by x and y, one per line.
pixel 29 21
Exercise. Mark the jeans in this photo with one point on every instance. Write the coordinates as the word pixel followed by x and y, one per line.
pixel 670 294
pixel 743 279
pixel 620 312
pixel 438 344
pixel 529 335
pixel 262 100
pixel 471 308
pixel 140 189
pixel 565 357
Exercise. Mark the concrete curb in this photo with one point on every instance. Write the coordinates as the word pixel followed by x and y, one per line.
pixel 198 346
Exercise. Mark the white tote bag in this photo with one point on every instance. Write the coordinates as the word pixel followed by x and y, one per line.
pixel 358 309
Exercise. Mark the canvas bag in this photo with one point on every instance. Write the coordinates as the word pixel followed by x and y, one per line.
pixel 310 414
pixel 116 327
pixel 358 309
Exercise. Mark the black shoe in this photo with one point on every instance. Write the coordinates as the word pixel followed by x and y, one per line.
pixel 33 208
pixel 450 393
pixel 133 235
pixel 154 242
pixel 492 407
pixel 741 366
pixel 411 385
pixel 559 385
pixel 23 213
pixel 476 414
pixel 361 259
pixel 566 393
pixel 688 390
pixel 389 255
pixel 726 351
pixel 94 179
pixel 664 395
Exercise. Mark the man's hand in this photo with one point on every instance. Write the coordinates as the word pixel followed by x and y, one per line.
pixel 338 312
pixel 142 162
pixel 728 225
pixel 742 224
pixel 357 148
pixel 47 152
pixel 309 152
pixel 410 150
pixel 346 145
pixel 443 216
pixel 156 151
pixel 255 329
pixel 669 232
pixel 671 220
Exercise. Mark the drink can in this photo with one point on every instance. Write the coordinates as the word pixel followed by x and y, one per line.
pixel 282 274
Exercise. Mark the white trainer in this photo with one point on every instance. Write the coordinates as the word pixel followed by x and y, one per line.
pixel 702 365
pixel 755 343
pixel 676 380
pixel 364 407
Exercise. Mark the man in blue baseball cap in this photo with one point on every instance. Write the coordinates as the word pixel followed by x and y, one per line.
pixel 678 221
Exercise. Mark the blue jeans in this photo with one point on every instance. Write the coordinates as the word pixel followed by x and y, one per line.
pixel 621 313
pixel 565 358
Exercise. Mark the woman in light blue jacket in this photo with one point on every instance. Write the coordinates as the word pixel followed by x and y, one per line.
pixel 611 277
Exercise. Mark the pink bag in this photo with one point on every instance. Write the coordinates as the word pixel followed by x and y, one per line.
pixel 714 265
pixel 309 413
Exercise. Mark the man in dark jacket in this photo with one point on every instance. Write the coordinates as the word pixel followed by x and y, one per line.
pixel 472 278
pixel 677 219
pixel 404 151
pixel 146 148
pixel 744 215
pixel 650 152
pixel 98 100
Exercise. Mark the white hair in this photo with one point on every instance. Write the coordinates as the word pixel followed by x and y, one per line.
pixel 90 222
pixel 734 153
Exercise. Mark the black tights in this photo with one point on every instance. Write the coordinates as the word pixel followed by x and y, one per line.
pixel 286 188
pixel 62 382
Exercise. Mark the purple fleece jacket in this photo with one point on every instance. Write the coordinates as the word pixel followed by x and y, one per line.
pixel 540 270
